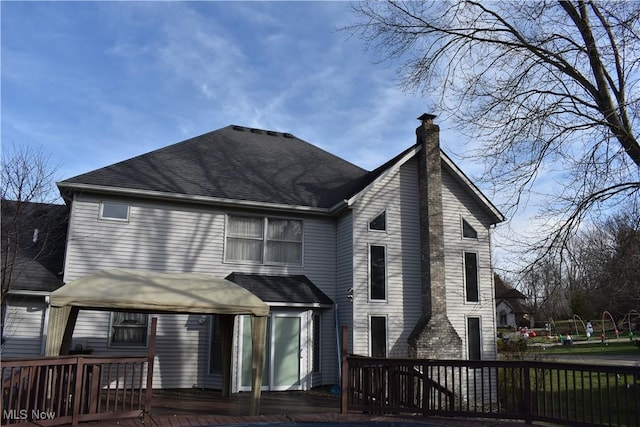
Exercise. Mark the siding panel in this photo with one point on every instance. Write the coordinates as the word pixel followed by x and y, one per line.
pixel 458 204
pixel 397 194
pixel 184 238
pixel 23 326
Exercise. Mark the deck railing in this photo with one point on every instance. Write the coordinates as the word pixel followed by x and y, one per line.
pixel 68 389
pixel 526 390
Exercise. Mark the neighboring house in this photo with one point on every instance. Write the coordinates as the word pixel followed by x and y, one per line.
pixel 400 255
pixel 33 243
pixel 511 306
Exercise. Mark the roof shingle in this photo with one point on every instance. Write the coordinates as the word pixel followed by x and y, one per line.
pixel 285 289
pixel 236 163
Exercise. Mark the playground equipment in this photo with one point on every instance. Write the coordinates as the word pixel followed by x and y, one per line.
pixel 575 324
pixel 613 322
pixel 630 318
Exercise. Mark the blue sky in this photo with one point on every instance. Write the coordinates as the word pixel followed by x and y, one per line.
pixel 98 82
pixel 94 83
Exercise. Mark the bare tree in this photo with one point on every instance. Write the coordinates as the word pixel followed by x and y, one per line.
pixel 542 284
pixel 542 86
pixel 31 227
pixel 600 270
pixel 608 260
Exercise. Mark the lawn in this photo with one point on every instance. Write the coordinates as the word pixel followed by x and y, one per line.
pixel 580 392
pixel 619 346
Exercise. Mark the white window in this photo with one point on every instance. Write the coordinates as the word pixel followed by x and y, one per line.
pixel 114 211
pixel 474 340
pixel 377 273
pixel 468 231
pixel 264 240
pixel 128 329
pixel 378 336
pixel 379 223
pixel 471 276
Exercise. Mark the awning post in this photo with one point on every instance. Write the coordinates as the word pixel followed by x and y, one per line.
pixel 62 321
pixel 258 337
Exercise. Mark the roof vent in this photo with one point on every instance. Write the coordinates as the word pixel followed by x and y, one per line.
pixel 272 133
pixel 256 131
pixel 240 128
pixel 287 135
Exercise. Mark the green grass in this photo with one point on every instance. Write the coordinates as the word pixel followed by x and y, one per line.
pixel 577 395
pixel 620 346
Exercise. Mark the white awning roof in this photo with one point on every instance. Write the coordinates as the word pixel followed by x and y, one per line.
pixel 140 290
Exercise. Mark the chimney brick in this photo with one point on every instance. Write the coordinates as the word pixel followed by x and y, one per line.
pixel 433 335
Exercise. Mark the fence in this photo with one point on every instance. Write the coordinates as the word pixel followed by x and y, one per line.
pixel 69 389
pixel 524 390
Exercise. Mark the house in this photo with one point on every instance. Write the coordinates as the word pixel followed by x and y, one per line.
pixel 511 306
pixel 33 243
pixel 400 255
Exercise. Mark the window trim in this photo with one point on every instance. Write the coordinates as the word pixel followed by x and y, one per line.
pixel 111 344
pixel 465 278
pixel 479 318
pixel 386 334
pixel 384 230
pixel 462 223
pixel 101 215
pixel 265 219
pixel 370 275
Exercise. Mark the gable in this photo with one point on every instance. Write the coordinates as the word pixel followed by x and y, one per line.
pixel 232 163
pixel 448 168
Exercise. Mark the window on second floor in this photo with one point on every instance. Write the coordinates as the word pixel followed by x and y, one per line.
pixel 471 276
pixel 260 240
pixel 377 273
pixel 116 211
pixel 468 231
pixel 379 223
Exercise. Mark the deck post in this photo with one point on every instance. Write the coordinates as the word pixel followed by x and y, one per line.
pixel 526 394
pixel 344 377
pixel 77 393
pixel 150 359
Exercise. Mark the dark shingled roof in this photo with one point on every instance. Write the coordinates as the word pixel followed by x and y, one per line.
pixel 237 163
pixel 512 297
pixel 37 265
pixel 286 289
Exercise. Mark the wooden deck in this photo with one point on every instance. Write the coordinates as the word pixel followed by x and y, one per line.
pixel 195 408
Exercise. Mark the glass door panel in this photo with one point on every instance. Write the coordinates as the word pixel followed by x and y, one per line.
pixel 286 352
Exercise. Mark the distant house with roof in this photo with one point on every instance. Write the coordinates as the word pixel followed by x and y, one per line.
pixel 511 306
pixel 399 255
pixel 33 243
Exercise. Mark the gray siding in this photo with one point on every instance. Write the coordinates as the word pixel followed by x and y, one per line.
pixel 397 194
pixel 344 271
pixel 459 204
pixel 23 326
pixel 183 238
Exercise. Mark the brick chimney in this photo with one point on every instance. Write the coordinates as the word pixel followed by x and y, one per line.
pixel 433 336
